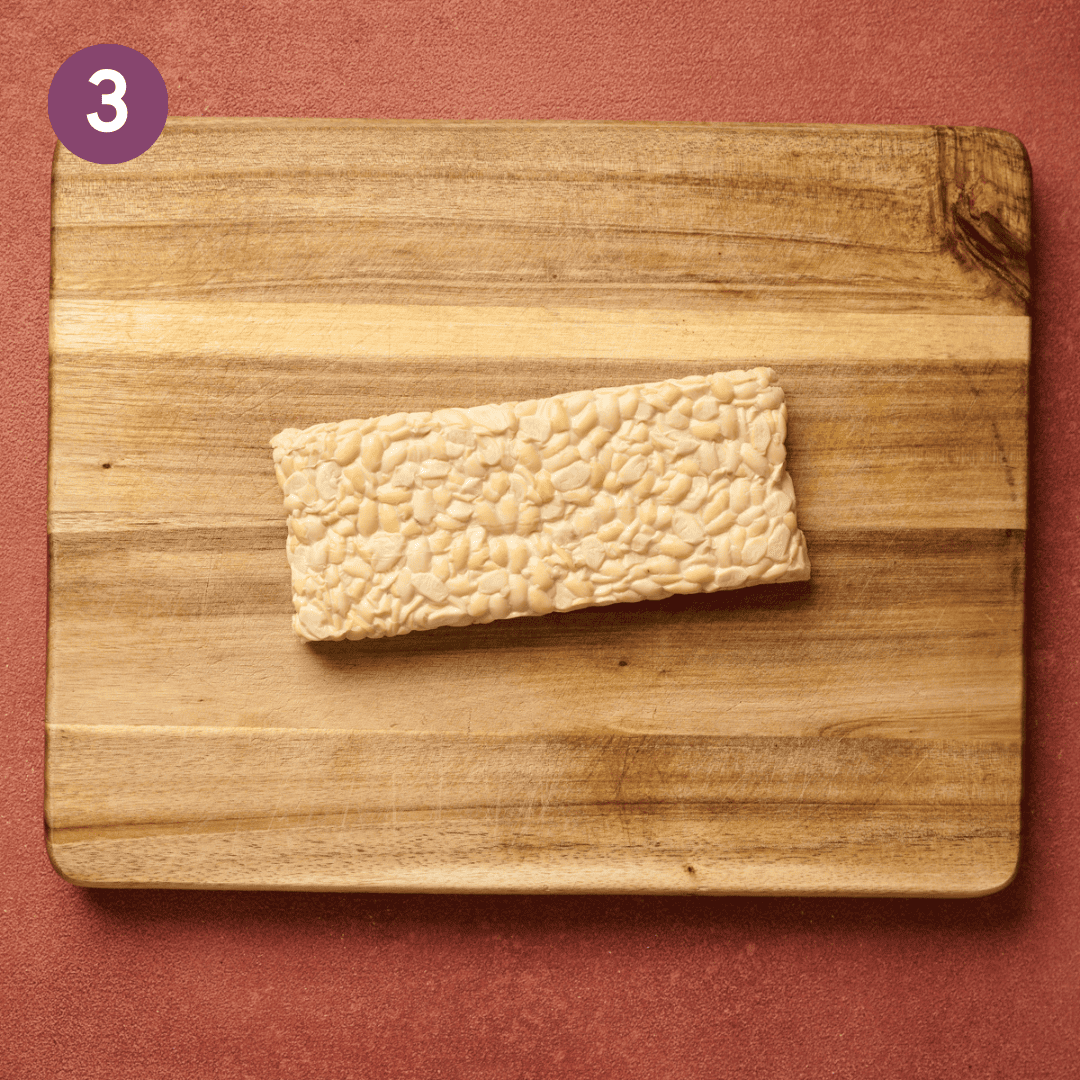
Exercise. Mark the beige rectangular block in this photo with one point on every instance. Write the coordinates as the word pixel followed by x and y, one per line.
pixel 419 520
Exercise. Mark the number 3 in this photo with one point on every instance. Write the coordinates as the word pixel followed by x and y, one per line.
pixel 115 99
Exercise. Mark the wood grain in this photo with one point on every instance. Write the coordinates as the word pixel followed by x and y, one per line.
pixel 349 809
pixel 858 733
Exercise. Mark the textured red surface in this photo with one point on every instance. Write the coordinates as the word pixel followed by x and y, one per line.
pixel 117 984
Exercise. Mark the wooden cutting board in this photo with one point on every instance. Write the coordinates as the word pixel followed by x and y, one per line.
pixel 859 733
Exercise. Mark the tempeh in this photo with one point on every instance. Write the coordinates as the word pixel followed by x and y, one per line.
pixel 418 520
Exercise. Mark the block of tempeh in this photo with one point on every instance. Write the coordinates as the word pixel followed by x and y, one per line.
pixel 457 516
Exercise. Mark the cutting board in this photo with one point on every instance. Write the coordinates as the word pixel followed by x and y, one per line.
pixel 859 733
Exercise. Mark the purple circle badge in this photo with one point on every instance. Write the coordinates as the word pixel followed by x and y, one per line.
pixel 108 104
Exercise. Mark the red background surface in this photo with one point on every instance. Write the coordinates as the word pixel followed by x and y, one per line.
pixel 147 984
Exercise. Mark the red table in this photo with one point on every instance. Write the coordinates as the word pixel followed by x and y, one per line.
pixel 148 984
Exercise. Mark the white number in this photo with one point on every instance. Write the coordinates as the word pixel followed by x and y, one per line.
pixel 115 99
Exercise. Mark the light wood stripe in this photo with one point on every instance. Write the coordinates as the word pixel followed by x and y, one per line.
pixel 314 331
